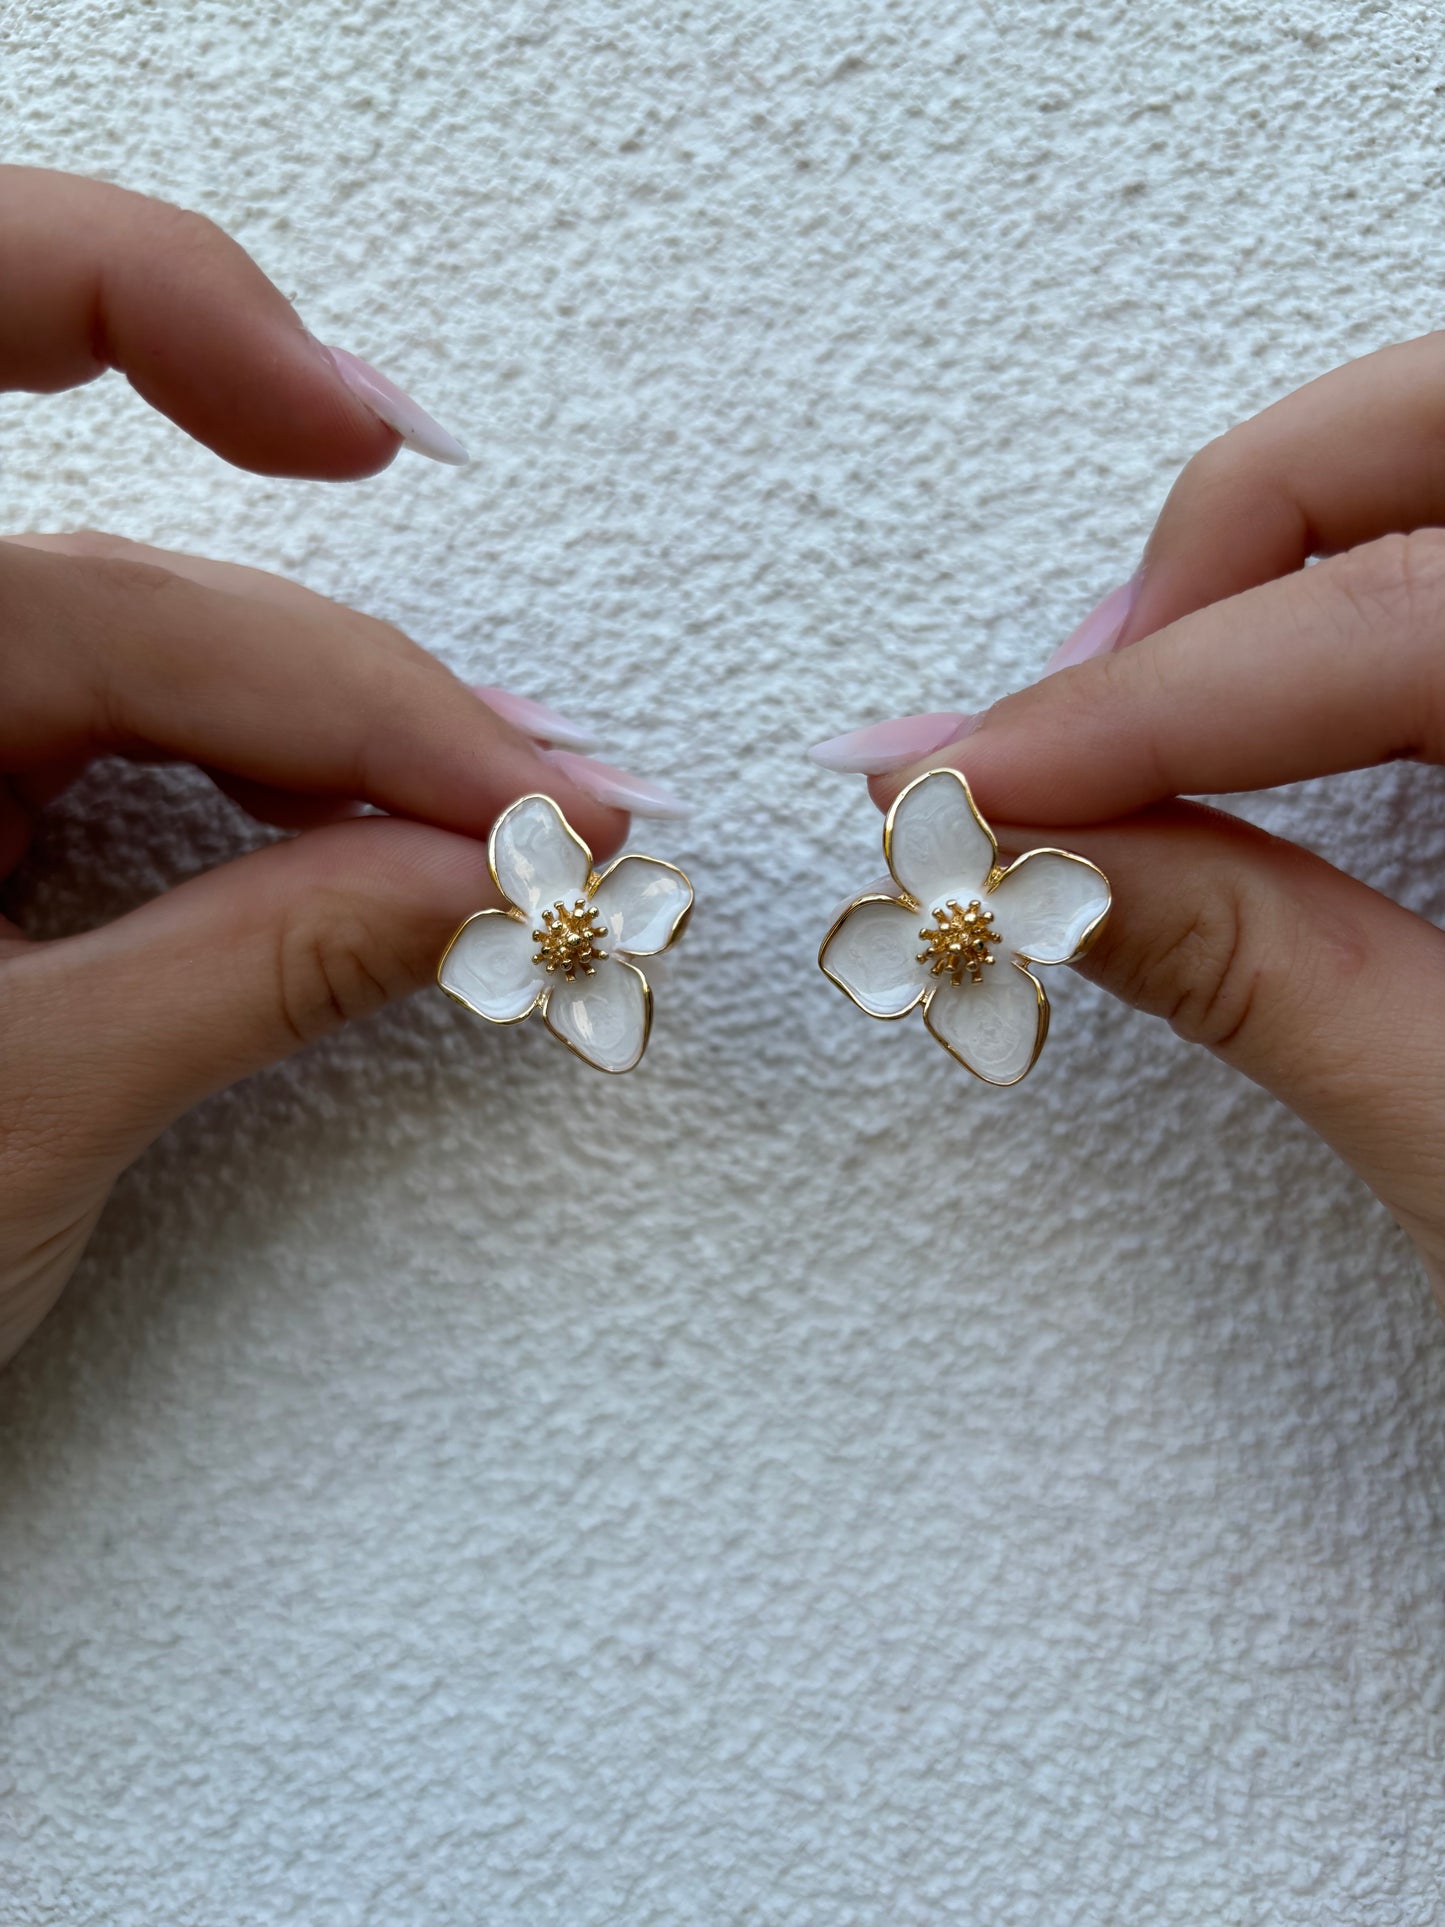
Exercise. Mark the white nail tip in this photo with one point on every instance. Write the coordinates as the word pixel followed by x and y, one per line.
pixel 418 431
pixel 878 749
pixel 538 720
pixel 619 790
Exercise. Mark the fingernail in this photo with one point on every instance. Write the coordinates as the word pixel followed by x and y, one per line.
pixel 1100 629
pixel 880 748
pixel 618 788
pixel 535 719
pixel 397 409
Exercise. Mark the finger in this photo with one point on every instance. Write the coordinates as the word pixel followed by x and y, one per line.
pixel 113 1033
pixel 1334 668
pixel 231 578
pixel 535 719
pixel 1357 454
pixel 96 277
pixel 1316 987
pixel 281 809
pixel 110 656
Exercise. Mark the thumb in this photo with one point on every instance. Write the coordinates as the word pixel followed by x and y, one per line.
pixel 1310 983
pixel 113 1034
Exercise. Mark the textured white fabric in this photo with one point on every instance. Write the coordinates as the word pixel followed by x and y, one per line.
pixel 793 1483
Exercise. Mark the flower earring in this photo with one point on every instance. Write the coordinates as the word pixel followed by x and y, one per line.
pixel 959 931
pixel 567 940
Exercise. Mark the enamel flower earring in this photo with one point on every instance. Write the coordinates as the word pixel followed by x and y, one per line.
pixel 958 931
pixel 567 941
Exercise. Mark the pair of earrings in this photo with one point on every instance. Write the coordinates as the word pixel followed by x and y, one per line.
pixel 955 933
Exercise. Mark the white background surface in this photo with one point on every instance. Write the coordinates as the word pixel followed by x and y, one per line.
pixel 793 1483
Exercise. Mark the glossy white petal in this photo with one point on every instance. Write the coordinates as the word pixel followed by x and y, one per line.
pixel 996 1027
pixel 488 967
pixel 936 843
pixel 1048 905
pixel 537 858
pixel 604 1017
pixel 872 953
pixel 642 903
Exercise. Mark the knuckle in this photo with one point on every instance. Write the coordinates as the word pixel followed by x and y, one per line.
pixel 404 657
pixel 334 966
pixel 183 228
pixel 1397 583
pixel 96 544
pixel 1206 973
pixel 389 637
pixel 1212 468
pixel 119 576
pixel 1399 576
pixel 1259 931
pixel 38 1119
pixel 123 615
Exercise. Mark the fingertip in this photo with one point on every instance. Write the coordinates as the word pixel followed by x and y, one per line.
pixel 284 412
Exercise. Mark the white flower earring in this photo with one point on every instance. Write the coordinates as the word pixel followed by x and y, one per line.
pixel 959 931
pixel 567 941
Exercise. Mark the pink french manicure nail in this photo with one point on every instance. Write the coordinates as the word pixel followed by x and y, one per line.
pixel 1100 629
pixel 538 720
pixel 618 788
pixel 397 409
pixel 880 748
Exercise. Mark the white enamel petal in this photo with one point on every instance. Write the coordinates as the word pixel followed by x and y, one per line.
pixel 1048 904
pixel 935 844
pixel 537 859
pixel 642 902
pixel 996 1027
pixel 604 1017
pixel 872 953
pixel 488 967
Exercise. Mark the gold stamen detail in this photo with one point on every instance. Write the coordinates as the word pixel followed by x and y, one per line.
pixel 568 939
pixel 957 941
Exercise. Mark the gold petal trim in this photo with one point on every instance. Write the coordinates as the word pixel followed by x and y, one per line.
pixel 608 1070
pixel 1042 1031
pixel 532 796
pixel 514 916
pixel 906 904
pixel 1084 943
pixel 596 879
pixel 927 777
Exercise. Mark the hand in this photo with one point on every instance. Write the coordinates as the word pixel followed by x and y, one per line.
pixel 1237 669
pixel 299 708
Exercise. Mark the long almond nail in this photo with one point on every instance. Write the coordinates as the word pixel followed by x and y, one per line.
pixel 1100 629
pixel 534 719
pixel 618 788
pixel 880 748
pixel 397 409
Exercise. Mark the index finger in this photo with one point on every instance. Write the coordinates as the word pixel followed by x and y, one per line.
pixel 95 277
pixel 1332 668
pixel 99 655
pixel 1354 455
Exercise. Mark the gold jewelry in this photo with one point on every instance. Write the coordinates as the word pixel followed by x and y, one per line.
pixel 567 941
pixel 981 924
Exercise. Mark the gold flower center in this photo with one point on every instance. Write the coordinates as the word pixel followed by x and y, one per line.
pixel 957 941
pixel 568 939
